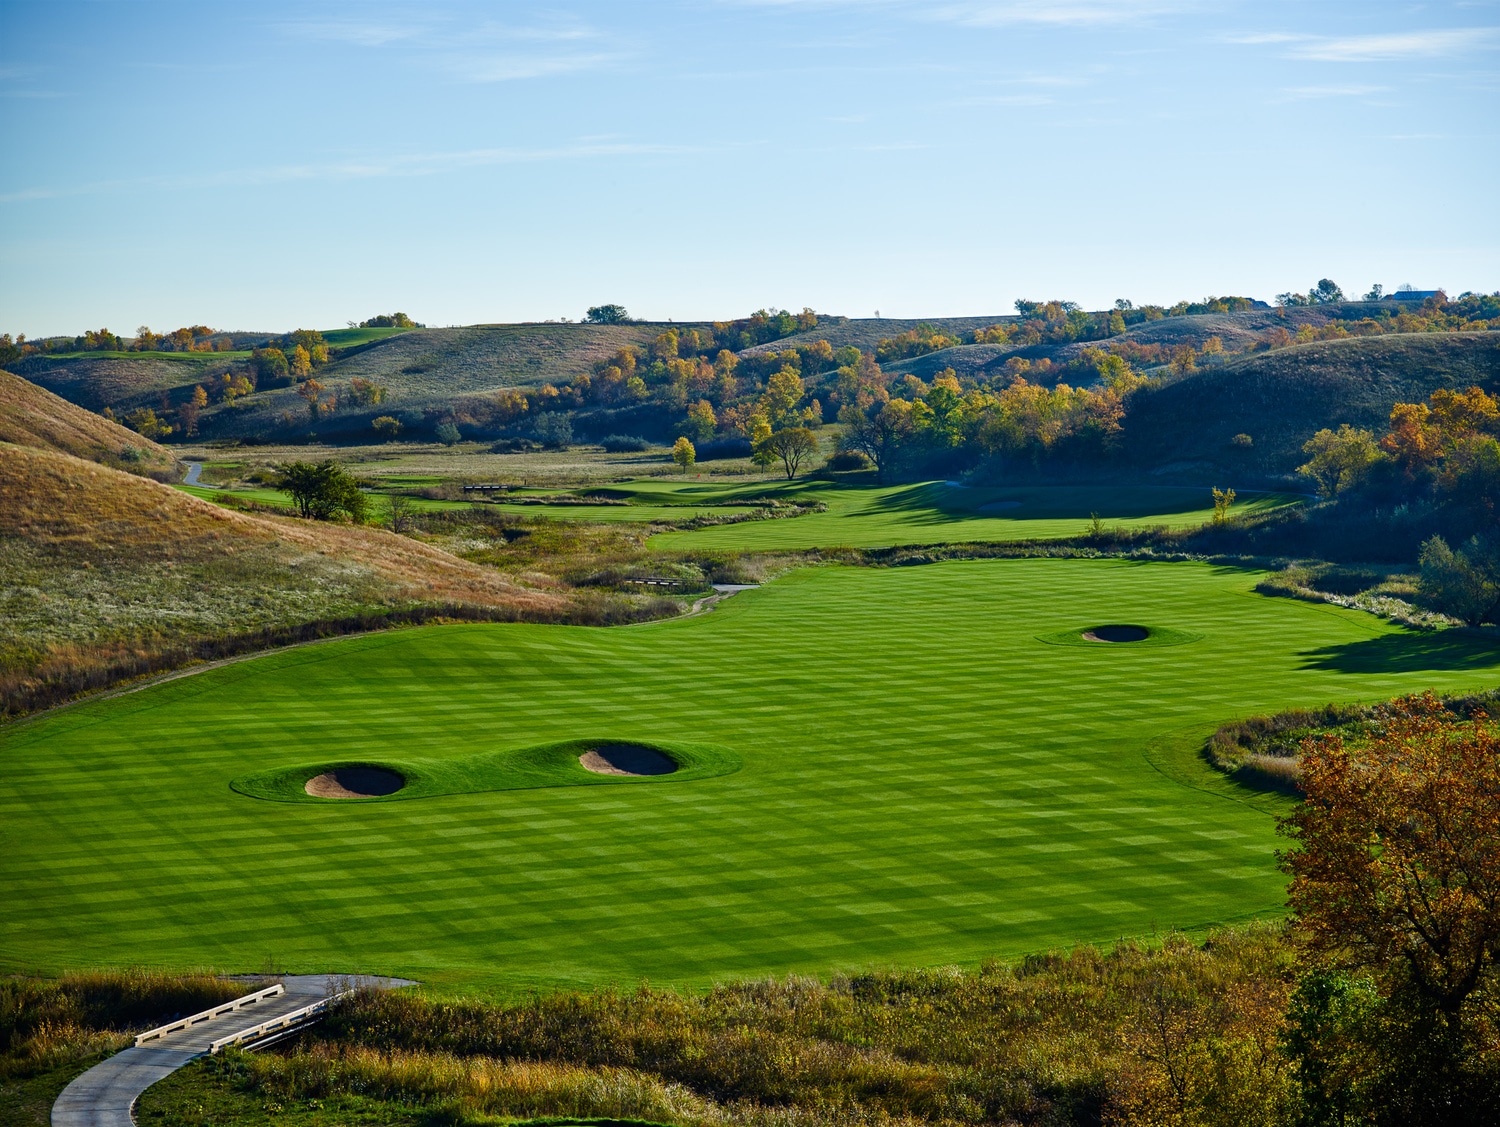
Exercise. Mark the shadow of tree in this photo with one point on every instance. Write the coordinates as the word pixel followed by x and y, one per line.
pixel 1407 652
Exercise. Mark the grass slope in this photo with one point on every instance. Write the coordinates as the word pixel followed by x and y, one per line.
pixel 924 781
pixel 98 565
pixel 1281 398
pixel 122 380
pixel 33 416
pixel 424 367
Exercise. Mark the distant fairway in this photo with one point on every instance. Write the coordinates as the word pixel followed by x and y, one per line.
pixel 935 513
pixel 924 781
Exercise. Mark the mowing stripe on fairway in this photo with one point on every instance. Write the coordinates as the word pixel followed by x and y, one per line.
pixel 924 782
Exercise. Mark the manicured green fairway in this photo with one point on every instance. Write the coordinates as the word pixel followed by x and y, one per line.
pixel 924 782
pixel 935 513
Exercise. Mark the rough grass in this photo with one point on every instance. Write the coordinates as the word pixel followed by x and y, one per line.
pixel 1055 1039
pixel 924 781
pixel 1266 751
pixel 48 1022
pixel 100 568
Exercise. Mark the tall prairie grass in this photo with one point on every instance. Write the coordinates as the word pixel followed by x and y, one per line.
pixel 1132 1035
pixel 48 1022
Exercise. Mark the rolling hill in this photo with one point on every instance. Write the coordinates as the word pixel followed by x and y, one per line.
pixel 1281 398
pixel 105 573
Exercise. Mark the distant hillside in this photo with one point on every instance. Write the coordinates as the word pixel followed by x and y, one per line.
pixel 866 332
pixel 121 380
pixel 1281 398
pixel 430 367
pixel 1236 332
pixel 33 416
pixel 106 574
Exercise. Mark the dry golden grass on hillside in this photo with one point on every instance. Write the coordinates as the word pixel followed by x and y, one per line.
pixel 105 575
pixel 33 416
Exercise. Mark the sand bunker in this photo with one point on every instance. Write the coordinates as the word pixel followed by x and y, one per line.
pixel 1116 634
pixel 626 759
pixel 355 782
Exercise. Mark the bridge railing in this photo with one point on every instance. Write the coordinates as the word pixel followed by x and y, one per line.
pixel 227 1007
pixel 284 1021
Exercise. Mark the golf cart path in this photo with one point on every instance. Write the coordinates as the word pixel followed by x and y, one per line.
pixel 105 1095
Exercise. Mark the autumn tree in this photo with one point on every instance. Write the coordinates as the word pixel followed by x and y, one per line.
pixel 299 361
pixel 1339 460
pixel 1395 871
pixel 144 421
pixel 309 390
pixel 1223 498
pixel 684 454
pixel 387 427
pixel 783 393
pixel 701 420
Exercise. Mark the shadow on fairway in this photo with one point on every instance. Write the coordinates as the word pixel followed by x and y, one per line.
pixel 1405 653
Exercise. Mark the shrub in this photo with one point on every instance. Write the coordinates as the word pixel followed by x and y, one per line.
pixel 448 434
pixel 624 444
pixel 553 430
pixel 730 446
pixel 846 461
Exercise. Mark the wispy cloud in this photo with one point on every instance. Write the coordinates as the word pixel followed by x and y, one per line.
pixel 997 13
pixel 369 167
pixel 1392 45
pixel 509 67
pixel 1299 93
pixel 486 52
pixel 1076 13
pixel 1004 100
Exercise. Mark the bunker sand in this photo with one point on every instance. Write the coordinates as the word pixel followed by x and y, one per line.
pixel 355 782
pixel 626 759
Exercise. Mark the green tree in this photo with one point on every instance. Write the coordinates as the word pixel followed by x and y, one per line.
pixel 448 434
pixel 879 432
pixel 320 490
pixel 387 427
pixel 607 315
pixel 1340 460
pixel 403 512
pixel 791 447
pixel 684 454
pixel 1465 583
pixel 1326 292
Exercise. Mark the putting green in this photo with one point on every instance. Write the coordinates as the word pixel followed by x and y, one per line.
pixel 924 781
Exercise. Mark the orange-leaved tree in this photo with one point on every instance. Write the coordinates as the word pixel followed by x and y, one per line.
pixel 1398 850
pixel 1396 889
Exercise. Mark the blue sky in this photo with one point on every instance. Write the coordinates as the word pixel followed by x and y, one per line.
pixel 267 165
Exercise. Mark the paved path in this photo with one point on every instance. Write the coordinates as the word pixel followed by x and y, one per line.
pixel 194 469
pixel 105 1094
